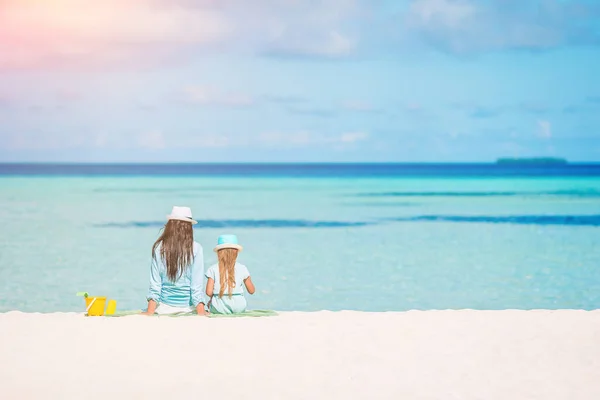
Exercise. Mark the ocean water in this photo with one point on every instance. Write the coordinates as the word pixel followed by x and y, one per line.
pixel 358 237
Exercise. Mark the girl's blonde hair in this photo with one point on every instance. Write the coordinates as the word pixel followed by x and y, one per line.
pixel 227 259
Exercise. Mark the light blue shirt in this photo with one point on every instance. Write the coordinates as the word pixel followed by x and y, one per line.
pixel 237 302
pixel 187 290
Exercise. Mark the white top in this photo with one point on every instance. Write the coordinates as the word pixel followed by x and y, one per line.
pixel 241 274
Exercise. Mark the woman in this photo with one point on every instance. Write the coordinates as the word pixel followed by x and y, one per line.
pixel 229 277
pixel 177 271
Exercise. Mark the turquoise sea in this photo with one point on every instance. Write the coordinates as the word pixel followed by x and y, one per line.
pixel 359 237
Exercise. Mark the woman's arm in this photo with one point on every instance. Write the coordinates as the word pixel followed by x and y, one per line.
pixel 249 285
pixel 197 284
pixel 151 307
pixel 154 288
pixel 210 287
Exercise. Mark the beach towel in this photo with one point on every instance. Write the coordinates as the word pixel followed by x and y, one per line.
pixel 248 313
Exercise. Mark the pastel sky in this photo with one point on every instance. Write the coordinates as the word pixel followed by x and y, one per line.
pixel 298 80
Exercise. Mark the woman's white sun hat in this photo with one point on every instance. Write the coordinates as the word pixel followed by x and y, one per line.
pixel 182 214
pixel 228 242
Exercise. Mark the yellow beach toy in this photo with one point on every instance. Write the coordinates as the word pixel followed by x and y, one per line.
pixel 94 305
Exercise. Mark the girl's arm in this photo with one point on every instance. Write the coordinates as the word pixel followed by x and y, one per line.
pixel 249 285
pixel 198 282
pixel 210 287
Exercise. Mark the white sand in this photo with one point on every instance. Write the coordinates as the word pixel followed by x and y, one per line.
pixel 507 355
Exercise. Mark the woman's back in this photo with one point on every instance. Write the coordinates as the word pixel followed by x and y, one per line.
pixel 177 269
pixel 176 293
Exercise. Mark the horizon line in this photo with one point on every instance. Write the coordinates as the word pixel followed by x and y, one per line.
pixel 495 162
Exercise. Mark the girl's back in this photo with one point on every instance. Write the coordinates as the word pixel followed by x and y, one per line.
pixel 227 279
pixel 232 300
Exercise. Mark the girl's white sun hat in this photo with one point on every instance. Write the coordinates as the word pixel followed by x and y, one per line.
pixel 182 214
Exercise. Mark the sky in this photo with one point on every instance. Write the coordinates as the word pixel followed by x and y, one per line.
pixel 298 80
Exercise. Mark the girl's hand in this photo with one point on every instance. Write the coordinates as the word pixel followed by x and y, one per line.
pixel 249 285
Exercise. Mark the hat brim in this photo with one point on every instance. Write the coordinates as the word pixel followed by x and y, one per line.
pixel 228 246
pixel 170 217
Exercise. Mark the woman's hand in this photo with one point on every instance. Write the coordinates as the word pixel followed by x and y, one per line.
pixel 151 307
pixel 200 310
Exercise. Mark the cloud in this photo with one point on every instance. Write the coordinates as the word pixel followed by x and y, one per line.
pixel 61 33
pixel 544 129
pixel 587 106
pixel 36 109
pixel 482 112
pixel 152 140
pixel 301 106
pixel 447 13
pixel 38 139
pixel 83 35
pixel 352 137
pixel 157 139
pixel 511 149
pixel 284 99
pixel 211 96
pixel 69 96
pixel 470 26
pixel 479 111
pixel 296 139
pixel 143 106
pixel 211 141
pixel 533 108
pixel 593 99
pixel 37 34
pixel 332 44
pixel 414 107
pixel 574 109
pixel 5 102
pixel 24 100
pixel 312 112
pixel 320 28
pixel 359 106
pixel 189 140
pixel 100 140
pixel 306 138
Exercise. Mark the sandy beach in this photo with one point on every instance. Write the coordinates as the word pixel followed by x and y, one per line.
pixel 325 355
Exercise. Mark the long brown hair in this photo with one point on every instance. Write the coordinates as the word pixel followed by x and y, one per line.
pixel 227 259
pixel 176 247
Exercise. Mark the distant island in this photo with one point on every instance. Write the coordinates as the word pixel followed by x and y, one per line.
pixel 532 160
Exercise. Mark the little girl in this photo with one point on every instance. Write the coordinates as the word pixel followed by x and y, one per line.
pixel 229 277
